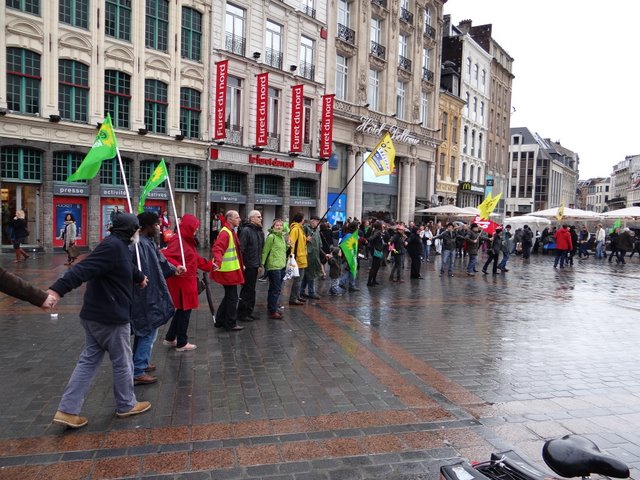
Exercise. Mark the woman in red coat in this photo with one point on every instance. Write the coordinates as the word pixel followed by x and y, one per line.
pixel 563 245
pixel 184 288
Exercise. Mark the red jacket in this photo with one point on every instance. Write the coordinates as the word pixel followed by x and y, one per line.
pixel 563 239
pixel 184 288
pixel 235 277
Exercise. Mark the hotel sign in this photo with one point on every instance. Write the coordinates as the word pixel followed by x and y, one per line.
pixel 377 129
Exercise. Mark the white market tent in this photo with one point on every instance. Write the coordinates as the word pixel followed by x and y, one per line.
pixel 630 213
pixel 569 213
pixel 535 223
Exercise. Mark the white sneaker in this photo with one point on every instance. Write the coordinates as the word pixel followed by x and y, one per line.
pixel 173 343
pixel 186 348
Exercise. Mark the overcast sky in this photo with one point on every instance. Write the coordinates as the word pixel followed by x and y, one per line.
pixel 576 71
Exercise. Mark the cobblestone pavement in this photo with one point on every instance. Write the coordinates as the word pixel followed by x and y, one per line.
pixel 387 382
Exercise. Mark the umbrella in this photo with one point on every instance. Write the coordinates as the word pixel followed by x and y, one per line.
pixel 630 213
pixel 535 223
pixel 445 210
pixel 207 290
pixel 573 213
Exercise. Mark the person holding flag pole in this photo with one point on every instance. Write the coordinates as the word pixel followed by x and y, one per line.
pixel 159 175
pixel 381 161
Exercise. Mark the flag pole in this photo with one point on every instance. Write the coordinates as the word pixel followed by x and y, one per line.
pixel 342 191
pixel 175 215
pixel 126 190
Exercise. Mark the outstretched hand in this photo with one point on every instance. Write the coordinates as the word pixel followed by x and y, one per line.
pixel 49 303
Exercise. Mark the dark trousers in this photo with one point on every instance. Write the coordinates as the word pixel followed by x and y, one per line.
pixel 375 266
pixel 493 257
pixel 247 301
pixel 416 260
pixel 178 328
pixel 226 316
pixel 275 289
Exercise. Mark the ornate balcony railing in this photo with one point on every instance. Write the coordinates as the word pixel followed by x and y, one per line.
pixel 404 63
pixel 382 3
pixel 273 58
pixel 406 16
pixel 234 135
pixel 307 70
pixel 346 34
pixel 273 142
pixel 429 31
pixel 307 149
pixel 427 74
pixel 309 11
pixel 378 50
pixel 235 44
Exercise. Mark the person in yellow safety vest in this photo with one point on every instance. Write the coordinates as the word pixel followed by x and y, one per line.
pixel 228 271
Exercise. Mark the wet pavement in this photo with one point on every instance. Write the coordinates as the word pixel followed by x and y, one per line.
pixel 387 382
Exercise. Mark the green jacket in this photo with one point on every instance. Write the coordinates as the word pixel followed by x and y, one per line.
pixel 274 252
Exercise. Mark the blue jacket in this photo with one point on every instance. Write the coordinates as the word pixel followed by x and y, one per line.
pixel 111 277
pixel 152 306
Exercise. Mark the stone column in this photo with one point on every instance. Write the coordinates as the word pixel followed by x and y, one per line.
pixel 351 188
pixel 358 187
pixel 404 191
pixel 412 195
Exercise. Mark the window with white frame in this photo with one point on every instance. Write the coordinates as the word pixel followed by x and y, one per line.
pixel 466 104
pixel 376 30
pixel 341 77
pixel 482 112
pixel 465 139
pixel 475 74
pixel 468 69
pixel 479 145
pixel 473 144
pixel 424 108
pixel 307 48
pixel 234 103
pixel 471 172
pixel 480 180
pixel 475 108
pixel 273 44
pixel 426 58
pixel 463 173
pixel 400 97
pixel 402 43
pixel 274 112
pixel 483 80
pixel 344 13
pixel 374 90
pixel 234 29
pixel 427 16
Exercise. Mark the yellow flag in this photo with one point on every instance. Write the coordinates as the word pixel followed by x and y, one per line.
pixel 382 159
pixel 488 205
pixel 560 213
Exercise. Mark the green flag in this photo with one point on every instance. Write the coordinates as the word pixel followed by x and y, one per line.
pixel 349 247
pixel 159 175
pixel 104 148
pixel 616 225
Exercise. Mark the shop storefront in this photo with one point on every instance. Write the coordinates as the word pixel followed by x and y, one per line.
pixel 469 194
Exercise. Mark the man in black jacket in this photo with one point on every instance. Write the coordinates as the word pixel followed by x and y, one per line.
pixel 251 239
pixel 105 316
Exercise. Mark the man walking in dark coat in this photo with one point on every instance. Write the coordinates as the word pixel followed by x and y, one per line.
pixel 105 315
pixel 251 242
pixel 152 306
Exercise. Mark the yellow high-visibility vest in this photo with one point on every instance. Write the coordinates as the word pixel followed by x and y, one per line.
pixel 230 261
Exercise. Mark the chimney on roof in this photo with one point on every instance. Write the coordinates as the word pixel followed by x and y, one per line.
pixel 465 26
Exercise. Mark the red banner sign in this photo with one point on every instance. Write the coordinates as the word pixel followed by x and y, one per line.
pixel 297 111
pixel 271 162
pixel 486 225
pixel 220 100
pixel 261 112
pixel 326 126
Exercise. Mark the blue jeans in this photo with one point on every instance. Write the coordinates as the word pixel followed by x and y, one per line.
pixel 599 249
pixel 425 251
pixel 101 338
pixel 348 280
pixel 447 260
pixel 473 260
pixel 142 352
pixel 503 263
pixel 275 288
pixel 561 256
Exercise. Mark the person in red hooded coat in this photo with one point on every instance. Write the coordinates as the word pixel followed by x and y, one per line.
pixel 563 246
pixel 228 270
pixel 184 288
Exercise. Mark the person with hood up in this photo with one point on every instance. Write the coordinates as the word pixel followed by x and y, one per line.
pixel 227 270
pixel 111 277
pixel 563 246
pixel 184 288
pixel 152 307
pixel 298 241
